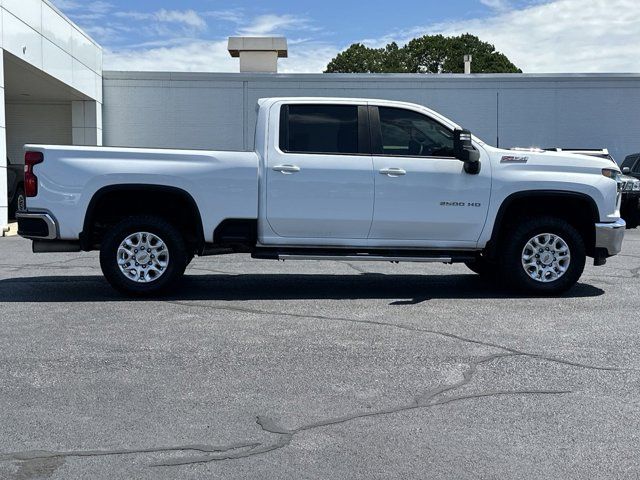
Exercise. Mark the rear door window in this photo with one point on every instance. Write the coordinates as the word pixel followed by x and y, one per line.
pixel 329 129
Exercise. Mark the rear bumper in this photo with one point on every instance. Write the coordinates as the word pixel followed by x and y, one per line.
pixel 609 236
pixel 37 225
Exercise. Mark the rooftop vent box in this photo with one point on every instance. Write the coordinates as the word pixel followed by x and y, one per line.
pixel 258 54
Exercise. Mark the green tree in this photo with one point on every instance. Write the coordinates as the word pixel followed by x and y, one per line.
pixel 427 54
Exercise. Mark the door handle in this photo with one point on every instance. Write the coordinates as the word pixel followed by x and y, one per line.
pixel 393 172
pixel 287 169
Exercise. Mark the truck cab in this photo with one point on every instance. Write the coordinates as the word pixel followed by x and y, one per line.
pixel 370 175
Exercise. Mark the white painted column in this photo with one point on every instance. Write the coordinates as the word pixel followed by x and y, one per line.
pixel 4 202
pixel 86 122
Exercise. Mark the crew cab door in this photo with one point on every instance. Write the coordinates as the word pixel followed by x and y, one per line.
pixel 422 193
pixel 319 175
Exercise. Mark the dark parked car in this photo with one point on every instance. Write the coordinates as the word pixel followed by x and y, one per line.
pixel 15 185
pixel 630 209
pixel 631 165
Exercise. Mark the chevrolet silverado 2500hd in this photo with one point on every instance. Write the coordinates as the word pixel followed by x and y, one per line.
pixel 335 179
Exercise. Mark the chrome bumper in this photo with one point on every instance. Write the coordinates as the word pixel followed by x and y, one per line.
pixel 609 236
pixel 37 225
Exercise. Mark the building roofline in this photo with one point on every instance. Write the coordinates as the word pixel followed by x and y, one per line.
pixel 73 24
pixel 502 77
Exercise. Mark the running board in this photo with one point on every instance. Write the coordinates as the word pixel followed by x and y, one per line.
pixel 362 258
pixel 351 255
pixel 365 258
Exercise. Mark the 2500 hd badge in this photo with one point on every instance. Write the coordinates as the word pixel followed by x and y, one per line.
pixel 460 204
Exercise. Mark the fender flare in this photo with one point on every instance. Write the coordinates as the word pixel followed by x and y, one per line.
pixel 517 196
pixel 127 187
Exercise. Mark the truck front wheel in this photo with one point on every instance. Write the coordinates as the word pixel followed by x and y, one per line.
pixel 143 255
pixel 543 255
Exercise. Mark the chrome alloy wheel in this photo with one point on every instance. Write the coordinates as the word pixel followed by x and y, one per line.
pixel 546 257
pixel 143 257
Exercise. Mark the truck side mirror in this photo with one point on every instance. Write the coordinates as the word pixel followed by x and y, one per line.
pixel 464 151
pixel 626 170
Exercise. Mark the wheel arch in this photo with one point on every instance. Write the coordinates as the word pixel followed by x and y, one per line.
pixel 189 218
pixel 540 202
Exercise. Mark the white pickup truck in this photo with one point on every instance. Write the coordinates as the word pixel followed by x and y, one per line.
pixel 329 178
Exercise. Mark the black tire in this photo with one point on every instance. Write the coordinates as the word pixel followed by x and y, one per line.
pixel 630 212
pixel 511 266
pixel 174 244
pixel 18 201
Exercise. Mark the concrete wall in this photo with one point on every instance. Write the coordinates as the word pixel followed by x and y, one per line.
pixel 217 111
pixel 4 200
pixel 36 123
pixel 86 122
pixel 40 36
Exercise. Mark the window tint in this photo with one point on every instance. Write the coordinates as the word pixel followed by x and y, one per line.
pixel 636 167
pixel 409 133
pixel 629 161
pixel 319 129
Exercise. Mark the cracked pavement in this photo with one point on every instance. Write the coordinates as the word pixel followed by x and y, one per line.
pixel 262 369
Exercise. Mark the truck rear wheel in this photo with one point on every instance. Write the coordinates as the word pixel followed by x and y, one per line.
pixel 544 256
pixel 143 255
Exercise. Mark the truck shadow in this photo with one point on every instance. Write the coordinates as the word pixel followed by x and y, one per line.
pixel 401 289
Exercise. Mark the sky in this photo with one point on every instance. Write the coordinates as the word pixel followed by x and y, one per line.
pixel 539 36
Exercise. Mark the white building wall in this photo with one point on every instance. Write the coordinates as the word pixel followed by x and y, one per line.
pixel 159 112
pixel 37 33
pixel 86 122
pixel 218 111
pixel 36 123
pixel 4 204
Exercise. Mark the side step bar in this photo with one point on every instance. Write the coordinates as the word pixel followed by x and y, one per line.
pixel 365 258
pixel 395 256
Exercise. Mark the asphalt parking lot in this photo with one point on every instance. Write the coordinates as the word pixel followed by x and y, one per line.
pixel 296 370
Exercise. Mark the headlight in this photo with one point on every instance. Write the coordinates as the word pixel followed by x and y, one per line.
pixel 628 187
pixel 636 186
pixel 611 173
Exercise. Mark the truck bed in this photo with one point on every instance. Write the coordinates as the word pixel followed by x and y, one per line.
pixel 222 183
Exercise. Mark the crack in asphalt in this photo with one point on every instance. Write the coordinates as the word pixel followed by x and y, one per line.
pixel 244 449
pixel 211 270
pixel 256 449
pixel 45 264
pixel 399 326
pixel 430 399
pixel 427 400
pixel 30 455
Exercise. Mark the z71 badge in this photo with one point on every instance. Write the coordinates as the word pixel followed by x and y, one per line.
pixel 514 159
